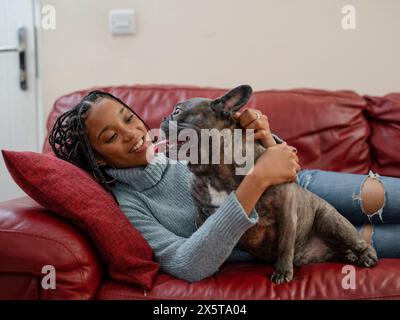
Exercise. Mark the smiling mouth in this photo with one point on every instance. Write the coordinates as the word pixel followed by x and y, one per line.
pixel 138 146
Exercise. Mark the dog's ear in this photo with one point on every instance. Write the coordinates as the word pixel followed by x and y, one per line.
pixel 233 100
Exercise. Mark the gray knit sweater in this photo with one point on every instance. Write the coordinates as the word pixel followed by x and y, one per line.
pixel 156 199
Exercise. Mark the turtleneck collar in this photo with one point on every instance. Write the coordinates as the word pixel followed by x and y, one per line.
pixel 144 177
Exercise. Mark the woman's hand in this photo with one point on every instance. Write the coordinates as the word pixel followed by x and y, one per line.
pixel 255 119
pixel 278 164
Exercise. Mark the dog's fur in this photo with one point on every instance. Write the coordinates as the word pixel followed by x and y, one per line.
pixel 295 226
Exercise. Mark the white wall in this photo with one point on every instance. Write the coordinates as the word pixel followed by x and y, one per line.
pixel 266 43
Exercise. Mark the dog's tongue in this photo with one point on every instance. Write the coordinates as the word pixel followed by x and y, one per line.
pixel 161 146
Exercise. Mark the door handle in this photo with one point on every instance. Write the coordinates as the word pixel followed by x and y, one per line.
pixel 21 50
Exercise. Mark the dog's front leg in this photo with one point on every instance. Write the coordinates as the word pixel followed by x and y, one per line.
pixel 287 225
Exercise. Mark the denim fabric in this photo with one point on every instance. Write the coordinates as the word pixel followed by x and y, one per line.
pixel 343 191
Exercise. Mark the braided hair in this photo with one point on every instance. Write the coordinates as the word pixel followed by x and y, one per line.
pixel 70 142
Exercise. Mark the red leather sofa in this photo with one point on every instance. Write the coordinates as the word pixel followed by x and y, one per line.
pixel 340 131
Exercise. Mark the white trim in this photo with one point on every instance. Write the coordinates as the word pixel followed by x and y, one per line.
pixel 40 134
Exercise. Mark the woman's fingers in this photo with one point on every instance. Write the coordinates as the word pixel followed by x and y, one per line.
pixel 260 135
pixel 256 125
pixel 295 158
pixel 252 119
pixel 237 115
pixel 297 166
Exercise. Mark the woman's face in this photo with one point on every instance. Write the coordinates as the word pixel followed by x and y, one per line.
pixel 118 137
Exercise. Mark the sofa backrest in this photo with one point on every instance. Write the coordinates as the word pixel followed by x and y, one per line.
pixel 331 129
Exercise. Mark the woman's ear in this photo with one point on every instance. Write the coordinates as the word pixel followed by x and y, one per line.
pixel 101 163
pixel 99 159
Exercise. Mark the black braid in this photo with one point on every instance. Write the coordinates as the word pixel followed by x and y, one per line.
pixel 70 142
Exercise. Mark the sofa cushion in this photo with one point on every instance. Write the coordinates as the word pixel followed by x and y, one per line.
pixel 327 127
pixel 74 194
pixel 384 115
pixel 250 281
pixel 32 237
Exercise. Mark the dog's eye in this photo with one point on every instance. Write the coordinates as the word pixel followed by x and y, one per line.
pixel 177 111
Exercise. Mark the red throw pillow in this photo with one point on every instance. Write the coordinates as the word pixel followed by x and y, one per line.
pixel 72 193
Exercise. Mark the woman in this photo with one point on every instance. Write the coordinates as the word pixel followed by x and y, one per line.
pixel 103 136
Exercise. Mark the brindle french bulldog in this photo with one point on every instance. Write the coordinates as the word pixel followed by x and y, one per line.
pixel 295 226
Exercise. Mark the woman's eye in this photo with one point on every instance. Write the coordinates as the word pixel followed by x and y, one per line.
pixel 112 138
pixel 130 118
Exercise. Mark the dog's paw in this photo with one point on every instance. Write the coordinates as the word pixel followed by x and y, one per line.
pixel 368 258
pixel 351 257
pixel 281 276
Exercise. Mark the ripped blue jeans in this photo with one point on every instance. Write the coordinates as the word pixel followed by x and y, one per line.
pixel 344 190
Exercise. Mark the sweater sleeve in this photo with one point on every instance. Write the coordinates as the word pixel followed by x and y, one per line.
pixel 200 255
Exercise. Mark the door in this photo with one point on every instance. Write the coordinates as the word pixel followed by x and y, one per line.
pixel 19 116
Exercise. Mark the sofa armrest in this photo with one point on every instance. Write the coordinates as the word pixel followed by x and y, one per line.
pixel 31 237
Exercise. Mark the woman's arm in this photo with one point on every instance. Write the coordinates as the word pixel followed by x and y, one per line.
pixel 200 255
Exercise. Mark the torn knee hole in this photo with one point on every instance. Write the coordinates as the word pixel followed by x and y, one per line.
pixel 372 194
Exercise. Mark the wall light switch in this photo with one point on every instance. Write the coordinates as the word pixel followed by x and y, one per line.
pixel 122 22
